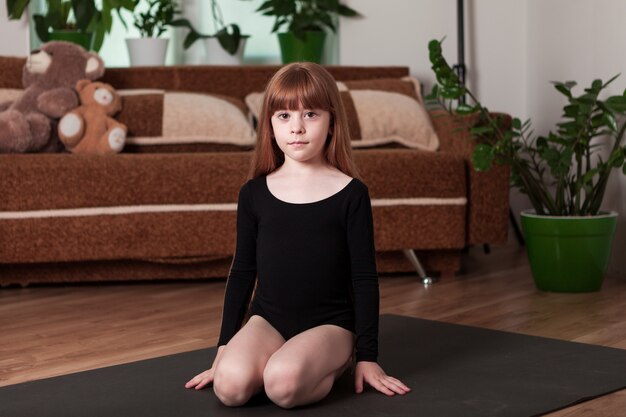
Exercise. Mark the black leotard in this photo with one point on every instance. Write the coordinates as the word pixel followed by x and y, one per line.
pixel 315 264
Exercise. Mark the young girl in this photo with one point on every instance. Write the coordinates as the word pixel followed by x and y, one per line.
pixel 304 227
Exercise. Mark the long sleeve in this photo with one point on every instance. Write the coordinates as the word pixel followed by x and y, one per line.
pixel 243 271
pixel 360 230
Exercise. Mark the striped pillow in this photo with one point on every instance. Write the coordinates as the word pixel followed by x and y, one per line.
pixel 184 121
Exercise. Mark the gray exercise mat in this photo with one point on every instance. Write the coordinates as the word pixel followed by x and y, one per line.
pixel 453 370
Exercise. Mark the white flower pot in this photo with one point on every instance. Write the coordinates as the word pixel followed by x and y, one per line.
pixel 146 51
pixel 216 55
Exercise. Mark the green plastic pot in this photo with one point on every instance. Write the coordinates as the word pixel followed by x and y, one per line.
pixel 569 253
pixel 80 38
pixel 293 49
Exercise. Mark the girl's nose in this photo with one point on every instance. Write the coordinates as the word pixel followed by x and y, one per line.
pixel 296 125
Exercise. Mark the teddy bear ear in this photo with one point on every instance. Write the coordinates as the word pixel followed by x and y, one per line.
pixel 80 84
pixel 95 66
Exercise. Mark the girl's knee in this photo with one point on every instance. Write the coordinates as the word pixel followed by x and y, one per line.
pixel 283 382
pixel 234 386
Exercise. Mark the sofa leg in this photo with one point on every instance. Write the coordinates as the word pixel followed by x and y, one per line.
pixel 412 257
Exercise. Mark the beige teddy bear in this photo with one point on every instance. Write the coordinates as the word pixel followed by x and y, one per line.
pixel 90 128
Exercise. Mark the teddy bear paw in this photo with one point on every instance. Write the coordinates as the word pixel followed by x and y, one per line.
pixel 70 126
pixel 117 138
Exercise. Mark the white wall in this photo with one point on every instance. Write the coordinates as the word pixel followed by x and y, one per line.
pixel 513 50
pixel 14 38
pixel 399 35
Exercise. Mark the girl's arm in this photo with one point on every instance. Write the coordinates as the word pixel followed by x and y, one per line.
pixel 366 299
pixel 242 275
pixel 240 282
pixel 360 234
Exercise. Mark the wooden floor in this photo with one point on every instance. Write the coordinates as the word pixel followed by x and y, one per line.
pixel 54 330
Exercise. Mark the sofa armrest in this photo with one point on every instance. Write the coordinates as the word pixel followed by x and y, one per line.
pixel 488 192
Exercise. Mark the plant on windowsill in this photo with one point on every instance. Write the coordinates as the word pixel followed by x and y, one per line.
pixel 151 21
pixel 562 173
pixel 228 37
pixel 306 22
pixel 78 21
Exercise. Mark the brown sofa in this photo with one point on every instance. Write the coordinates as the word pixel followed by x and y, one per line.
pixel 169 213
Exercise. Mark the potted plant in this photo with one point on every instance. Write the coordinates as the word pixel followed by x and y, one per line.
pixel 306 22
pixel 152 21
pixel 79 21
pixel 568 235
pixel 225 46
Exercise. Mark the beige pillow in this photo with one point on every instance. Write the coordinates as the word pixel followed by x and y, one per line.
pixel 380 112
pixel 157 117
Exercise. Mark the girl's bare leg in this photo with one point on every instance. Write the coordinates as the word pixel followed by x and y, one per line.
pixel 304 369
pixel 239 372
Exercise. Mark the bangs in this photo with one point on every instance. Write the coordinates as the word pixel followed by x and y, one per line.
pixel 298 88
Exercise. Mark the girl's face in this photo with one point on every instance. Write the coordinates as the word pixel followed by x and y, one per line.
pixel 301 134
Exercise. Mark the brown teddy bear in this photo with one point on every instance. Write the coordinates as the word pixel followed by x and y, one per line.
pixel 28 124
pixel 90 129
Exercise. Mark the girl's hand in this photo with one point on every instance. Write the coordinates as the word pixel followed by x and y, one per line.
pixel 205 378
pixel 201 380
pixel 374 375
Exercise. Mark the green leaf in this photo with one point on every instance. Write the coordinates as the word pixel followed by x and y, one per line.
pixel 16 8
pixel 611 80
pixel 129 5
pixel 516 123
pixel 284 7
pixel 229 40
pixel 617 158
pixel 41 27
pixel 452 93
pixel 465 109
pixel 84 12
pixel 265 6
pixel 609 121
pixel 588 177
pixel 481 130
pixel 434 46
pixel 542 142
pixel 192 36
pixel 107 18
pixel 588 99
pixel 616 103
pixel 98 38
pixel 596 86
pixel 344 10
pixel 190 39
pixel 571 110
pixel 563 90
pixel 482 157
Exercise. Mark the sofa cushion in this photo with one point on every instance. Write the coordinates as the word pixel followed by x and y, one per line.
pixel 182 121
pixel 59 207
pixel 380 112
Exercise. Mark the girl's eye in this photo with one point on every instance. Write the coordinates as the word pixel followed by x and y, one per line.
pixel 282 116
pixel 310 114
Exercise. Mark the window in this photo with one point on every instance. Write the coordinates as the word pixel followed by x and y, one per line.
pixel 261 48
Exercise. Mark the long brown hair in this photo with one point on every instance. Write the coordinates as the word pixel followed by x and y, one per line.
pixel 312 86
